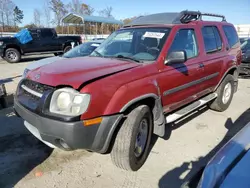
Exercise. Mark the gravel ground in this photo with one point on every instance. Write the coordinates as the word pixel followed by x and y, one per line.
pixel 26 162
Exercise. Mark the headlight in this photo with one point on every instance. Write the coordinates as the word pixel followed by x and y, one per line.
pixel 1 43
pixel 69 102
pixel 25 72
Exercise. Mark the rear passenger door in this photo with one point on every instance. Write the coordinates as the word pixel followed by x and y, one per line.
pixel 213 56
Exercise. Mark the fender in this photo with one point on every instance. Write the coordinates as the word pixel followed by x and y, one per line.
pixel 137 99
pixel 129 94
pixel 226 73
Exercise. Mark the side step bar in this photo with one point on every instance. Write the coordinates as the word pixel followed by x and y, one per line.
pixel 191 107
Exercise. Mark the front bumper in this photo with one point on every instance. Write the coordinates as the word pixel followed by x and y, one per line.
pixel 244 68
pixel 76 136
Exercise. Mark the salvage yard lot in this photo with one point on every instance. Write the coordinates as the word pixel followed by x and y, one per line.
pixel 26 162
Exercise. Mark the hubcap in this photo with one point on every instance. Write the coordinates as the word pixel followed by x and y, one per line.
pixel 227 93
pixel 141 138
pixel 11 55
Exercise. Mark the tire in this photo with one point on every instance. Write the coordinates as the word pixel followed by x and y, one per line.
pixel 67 48
pixel 124 154
pixel 220 104
pixel 12 55
pixel 59 53
pixel 3 102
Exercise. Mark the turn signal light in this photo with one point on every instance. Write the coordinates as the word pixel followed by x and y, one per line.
pixel 92 121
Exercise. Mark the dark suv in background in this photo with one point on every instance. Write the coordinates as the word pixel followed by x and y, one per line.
pixel 245 65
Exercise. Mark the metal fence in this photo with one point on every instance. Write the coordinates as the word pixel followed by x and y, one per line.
pixel 243 31
pixel 87 37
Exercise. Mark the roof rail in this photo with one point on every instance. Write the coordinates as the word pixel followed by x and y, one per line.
pixel 171 18
pixel 187 16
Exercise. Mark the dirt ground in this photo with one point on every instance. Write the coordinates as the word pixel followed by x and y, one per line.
pixel 187 146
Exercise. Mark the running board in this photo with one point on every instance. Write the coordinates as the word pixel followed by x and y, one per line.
pixel 191 107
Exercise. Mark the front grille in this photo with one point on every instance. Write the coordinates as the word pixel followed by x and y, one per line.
pixel 35 86
pixel 30 93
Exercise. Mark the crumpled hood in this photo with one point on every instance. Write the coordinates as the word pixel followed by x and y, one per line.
pixel 76 71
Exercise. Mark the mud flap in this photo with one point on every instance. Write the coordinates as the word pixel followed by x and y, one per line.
pixel 159 119
pixel 235 86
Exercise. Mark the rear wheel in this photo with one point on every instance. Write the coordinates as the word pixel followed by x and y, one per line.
pixel 67 48
pixel 12 55
pixel 225 94
pixel 131 147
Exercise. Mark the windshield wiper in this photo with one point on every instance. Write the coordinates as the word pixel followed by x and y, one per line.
pixel 130 58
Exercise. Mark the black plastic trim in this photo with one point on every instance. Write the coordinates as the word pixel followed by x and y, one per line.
pixel 77 136
pixel 190 84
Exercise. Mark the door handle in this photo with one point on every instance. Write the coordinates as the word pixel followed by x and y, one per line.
pixel 201 65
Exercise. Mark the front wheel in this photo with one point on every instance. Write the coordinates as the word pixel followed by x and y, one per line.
pixel 12 55
pixel 131 147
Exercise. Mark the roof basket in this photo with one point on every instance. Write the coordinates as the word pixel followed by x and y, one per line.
pixel 172 18
pixel 187 16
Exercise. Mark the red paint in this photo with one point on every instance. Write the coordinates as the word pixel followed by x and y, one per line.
pixel 109 94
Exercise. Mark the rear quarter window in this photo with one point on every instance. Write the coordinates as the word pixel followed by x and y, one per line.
pixel 231 35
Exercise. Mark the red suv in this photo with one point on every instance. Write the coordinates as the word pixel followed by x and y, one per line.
pixel 152 72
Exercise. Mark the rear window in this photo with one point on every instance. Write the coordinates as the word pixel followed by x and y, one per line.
pixel 231 35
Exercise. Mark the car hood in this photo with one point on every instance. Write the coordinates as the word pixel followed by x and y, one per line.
pixel 42 62
pixel 76 71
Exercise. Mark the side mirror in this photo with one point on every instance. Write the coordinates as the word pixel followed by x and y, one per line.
pixel 176 57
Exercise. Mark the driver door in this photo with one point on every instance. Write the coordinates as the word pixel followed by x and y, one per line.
pixel 181 82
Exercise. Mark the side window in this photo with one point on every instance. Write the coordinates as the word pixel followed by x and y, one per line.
pixel 185 40
pixel 211 39
pixel 231 35
pixel 47 33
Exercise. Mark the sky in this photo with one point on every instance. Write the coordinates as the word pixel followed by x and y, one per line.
pixel 236 11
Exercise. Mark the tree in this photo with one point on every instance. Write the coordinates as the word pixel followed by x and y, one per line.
pixel 107 12
pixel 37 17
pixel 18 15
pixel 88 9
pixel 128 20
pixel 6 11
pixel 80 8
pixel 30 26
pixel 47 13
pixel 59 10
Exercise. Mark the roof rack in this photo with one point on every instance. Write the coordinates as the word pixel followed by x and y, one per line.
pixel 187 16
pixel 172 18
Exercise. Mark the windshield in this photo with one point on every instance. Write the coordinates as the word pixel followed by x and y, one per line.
pixel 242 40
pixel 82 50
pixel 245 44
pixel 140 44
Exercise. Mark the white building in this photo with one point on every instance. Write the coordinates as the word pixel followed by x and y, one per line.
pixel 243 30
